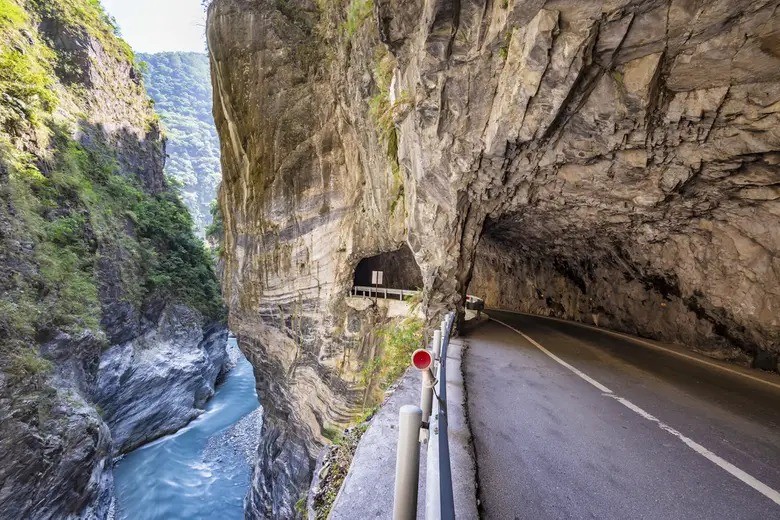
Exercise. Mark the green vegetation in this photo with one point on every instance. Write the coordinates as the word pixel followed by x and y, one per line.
pixel 26 75
pixel 29 366
pixel 399 340
pixel 89 16
pixel 357 13
pixel 77 215
pixel 366 416
pixel 332 433
pixel 415 300
pixel 73 224
pixel 11 15
pixel 300 506
pixel 177 263
pixel 369 371
pixel 380 107
pixel 216 229
pixel 180 84
pixel 26 101
pixel 503 50
pixel 338 461
pixel 382 111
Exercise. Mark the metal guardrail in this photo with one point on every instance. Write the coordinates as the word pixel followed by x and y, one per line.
pixel 381 292
pixel 439 500
pixel 431 418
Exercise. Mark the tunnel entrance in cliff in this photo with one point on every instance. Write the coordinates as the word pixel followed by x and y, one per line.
pixel 399 270
pixel 532 263
pixel 600 273
pixel 552 264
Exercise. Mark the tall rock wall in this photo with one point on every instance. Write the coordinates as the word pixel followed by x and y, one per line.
pixel 299 214
pixel 619 162
pixel 111 329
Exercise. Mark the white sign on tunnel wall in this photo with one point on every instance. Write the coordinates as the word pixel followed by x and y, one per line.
pixel 377 277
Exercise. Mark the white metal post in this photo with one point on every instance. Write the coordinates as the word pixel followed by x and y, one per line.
pixel 407 463
pixel 436 344
pixel 432 500
pixel 426 397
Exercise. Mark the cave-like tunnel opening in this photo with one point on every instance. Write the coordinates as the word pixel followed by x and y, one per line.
pixel 399 268
pixel 585 271
pixel 605 274
pixel 536 265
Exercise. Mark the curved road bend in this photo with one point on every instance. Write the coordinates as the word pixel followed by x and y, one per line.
pixel 604 427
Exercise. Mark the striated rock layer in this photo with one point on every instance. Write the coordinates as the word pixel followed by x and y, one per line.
pixel 613 162
pixel 159 381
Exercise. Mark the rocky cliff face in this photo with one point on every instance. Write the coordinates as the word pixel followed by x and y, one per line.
pixel 159 381
pixel 110 330
pixel 297 213
pixel 613 162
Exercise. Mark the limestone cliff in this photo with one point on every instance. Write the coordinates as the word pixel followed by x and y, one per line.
pixel 614 162
pixel 110 315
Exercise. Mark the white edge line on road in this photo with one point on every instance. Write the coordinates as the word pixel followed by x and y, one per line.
pixel 648 344
pixel 748 479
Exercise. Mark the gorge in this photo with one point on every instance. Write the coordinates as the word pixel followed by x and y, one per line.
pixel 202 470
pixel 112 328
pixel 614 163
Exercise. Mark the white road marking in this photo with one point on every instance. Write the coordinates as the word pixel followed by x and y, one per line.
pixel 748 479
pixel 558 360
pixel 651 345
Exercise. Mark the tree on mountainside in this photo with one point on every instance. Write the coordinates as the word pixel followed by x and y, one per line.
pixel 180 85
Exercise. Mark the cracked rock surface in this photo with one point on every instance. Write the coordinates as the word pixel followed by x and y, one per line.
pixel 613 162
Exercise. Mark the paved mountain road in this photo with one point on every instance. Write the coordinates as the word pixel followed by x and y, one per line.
pixel 592 425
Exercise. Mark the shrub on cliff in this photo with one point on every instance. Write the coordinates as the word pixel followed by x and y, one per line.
pixel 399 340
pixel 177 262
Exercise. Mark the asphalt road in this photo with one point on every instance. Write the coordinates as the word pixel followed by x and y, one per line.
pixel 615 429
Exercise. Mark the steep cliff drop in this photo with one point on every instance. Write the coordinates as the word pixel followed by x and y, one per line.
pixel 111 324
pixel 614 163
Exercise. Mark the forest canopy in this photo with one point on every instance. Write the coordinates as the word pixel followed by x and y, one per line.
pixel 180 85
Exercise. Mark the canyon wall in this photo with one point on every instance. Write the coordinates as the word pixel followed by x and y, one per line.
pixel 111 324
pixel 614 162
pixel 299 213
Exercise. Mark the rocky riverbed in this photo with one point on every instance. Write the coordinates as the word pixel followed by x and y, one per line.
pixel 202 470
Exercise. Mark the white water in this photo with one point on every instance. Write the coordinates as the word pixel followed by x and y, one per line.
pixel 202 471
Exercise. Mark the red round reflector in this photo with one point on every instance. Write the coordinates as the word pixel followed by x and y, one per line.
pixel 422 359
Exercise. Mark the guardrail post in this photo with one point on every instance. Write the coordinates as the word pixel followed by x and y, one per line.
pixel 426 397
pixel 407 463
pixel 439 503
pixel 436 344
pixel 432 480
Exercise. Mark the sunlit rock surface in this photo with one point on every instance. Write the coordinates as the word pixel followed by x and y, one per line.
pixel 159 381
pixel 620 162
pixel 56 445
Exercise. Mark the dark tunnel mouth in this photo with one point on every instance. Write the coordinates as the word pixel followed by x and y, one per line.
pixel 399 268
pixel 576 254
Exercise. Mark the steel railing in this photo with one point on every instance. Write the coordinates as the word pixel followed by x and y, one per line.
pixel 414 423
pixel 381 292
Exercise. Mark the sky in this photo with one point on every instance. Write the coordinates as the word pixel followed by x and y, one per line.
pixel 160 25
